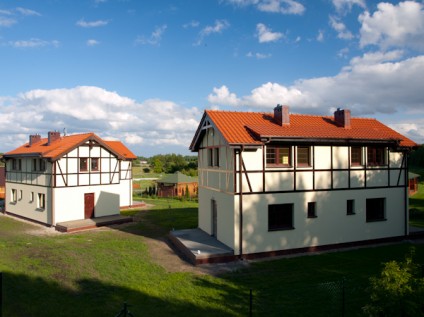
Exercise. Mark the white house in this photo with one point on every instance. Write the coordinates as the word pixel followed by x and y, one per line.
pixel 63 178
pixel 274 182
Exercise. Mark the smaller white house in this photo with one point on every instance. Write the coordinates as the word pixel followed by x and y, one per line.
pixel 63 178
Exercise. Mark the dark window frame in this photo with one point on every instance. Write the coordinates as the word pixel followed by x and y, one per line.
pixel 375 209
pixel 350 207
pixel 303 159
pixel 96 167
pixel 356 156
pixel 83 164
pixel 280 217
pixel 376 156
pixel 312 209
pixel 277 153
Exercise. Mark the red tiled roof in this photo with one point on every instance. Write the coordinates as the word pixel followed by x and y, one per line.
pixel 119 147
pixel 249 127
pixel 65 144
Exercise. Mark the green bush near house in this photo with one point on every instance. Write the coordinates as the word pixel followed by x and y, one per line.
pixel 416 202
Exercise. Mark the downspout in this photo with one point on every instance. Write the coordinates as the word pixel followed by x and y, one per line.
pixel 52 186
pixel 241 204
pixel 406 193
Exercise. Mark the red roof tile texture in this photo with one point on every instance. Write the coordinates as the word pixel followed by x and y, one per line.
pixel 249 127
pixel 65 144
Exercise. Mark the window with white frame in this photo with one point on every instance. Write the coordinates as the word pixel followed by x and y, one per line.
pixel 41 201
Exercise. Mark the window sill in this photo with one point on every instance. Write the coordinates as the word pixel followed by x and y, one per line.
pixel 281 229
pixel 376 220
pixel 350 214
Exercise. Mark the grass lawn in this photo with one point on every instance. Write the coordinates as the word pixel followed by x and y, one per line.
pixel 93 273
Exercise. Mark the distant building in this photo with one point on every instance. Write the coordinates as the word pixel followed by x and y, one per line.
pixel 413 183
pixel 177 185
pixel 63 178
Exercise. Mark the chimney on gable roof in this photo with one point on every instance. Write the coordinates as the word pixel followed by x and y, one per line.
pixel 342 118
pixel 52 136
pixel 34 138
pixel 282 115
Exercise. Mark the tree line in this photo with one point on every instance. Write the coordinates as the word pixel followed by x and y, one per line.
pixel 171 163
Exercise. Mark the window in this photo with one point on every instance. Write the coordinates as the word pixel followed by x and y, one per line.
pixel 42 165
pixel 41 203
pixel 279 156
pixel 16 164
pixel 356 155
pixel 375 209
pixel 14 195
pixel 34 164
pixel 280 217
pixel 303 156
pixel 94 163
pixel 376 156
pixel 216 157
pixel 83 164
pixel 350 207
pixel 31 197
pixel 20 195
pixel 312 212
pixel 213 157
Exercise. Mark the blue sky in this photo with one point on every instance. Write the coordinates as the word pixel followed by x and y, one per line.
pixel 144 71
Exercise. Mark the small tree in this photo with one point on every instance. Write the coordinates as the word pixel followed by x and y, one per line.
pixel 398 291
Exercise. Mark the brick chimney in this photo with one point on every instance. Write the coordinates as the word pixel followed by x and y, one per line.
pixel 282 115
pixel 342 118
pixel 53 136
pixel 34 138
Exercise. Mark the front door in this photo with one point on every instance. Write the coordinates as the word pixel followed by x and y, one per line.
pixel 214 218
pixel 88 205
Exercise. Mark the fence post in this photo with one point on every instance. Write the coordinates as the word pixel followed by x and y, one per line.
pixel 1 294
pixel 250 303
pixel 343 297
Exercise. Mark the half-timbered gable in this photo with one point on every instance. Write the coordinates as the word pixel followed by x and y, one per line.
pixel 57 178
pixel 277 181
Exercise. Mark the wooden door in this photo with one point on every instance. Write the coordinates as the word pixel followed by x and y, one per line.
pixel 88 205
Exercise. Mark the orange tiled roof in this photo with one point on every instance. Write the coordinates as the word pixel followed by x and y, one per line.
pixel 119 147
pixel 250 127
pixel 65 144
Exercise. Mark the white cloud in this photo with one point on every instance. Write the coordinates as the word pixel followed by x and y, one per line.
pixel 265 34
pixel 340 28
pixel 218 27
pixel 320 36
pixel 274 6
pixel 33 43
pixel 376 83
pixel 258 55
pixel 346 5
pixel 91 24
pixel 191 24
pixel 27 12
pixel 93 109
pixel 7 22
pixel 154 38
pixel 400 25
pixel 92 42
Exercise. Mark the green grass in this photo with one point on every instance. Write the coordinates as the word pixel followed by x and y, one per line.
pixel 94 273
pixel 416 202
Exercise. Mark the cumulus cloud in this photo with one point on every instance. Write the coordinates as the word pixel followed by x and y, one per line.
pixel 93 109
pixel 346 5
pixel 91 24
pixel 374 83
pixel 33 43
pixel 340 28
pixel 265 34
pixel 274 6
pixel 218 27
pixel 400 25
pixel 154 38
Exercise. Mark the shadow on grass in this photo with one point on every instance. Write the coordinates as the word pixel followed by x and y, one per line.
pixel 25 296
